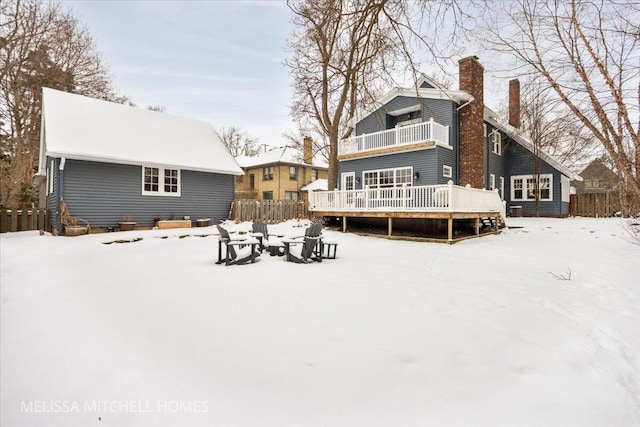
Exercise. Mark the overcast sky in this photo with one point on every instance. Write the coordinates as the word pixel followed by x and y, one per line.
pixel 219 61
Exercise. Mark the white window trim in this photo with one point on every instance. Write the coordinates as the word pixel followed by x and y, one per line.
pixel 492 181
pixel 387 170
pixel 161 191
pixel 496 143
pixel 502 187
pixel 524 179
pixel 447 171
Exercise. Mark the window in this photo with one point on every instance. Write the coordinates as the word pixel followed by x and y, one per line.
pixel 524 187
pixel 157 181
pixel 593 183
pixel 252 181
pixel 314 174
pixel 170 180
pixel 386 178
pixel 291 195
pixel 502 187
pixel 267 173
pixel 447 171
pixel 496 142
pixel 492 181
pixel 292 173
pixel 267 195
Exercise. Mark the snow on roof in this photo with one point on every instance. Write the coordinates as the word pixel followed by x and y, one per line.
pixel 287 154
pixel 492 118
pixel 317 185
pixel 78 127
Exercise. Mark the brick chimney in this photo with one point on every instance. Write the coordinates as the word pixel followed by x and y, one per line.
pixel 514 103
pixel 308 150
pixel 471 75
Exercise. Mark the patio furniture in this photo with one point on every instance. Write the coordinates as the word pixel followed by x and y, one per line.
pixel 328 249
pixel 302 251
pixel 238 250
pixel 267 240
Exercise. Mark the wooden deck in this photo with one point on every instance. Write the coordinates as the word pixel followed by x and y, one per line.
pixel 439 202
pixel 391 215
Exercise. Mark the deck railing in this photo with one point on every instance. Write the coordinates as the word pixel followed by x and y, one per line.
pixel 400 135
pixel 429 198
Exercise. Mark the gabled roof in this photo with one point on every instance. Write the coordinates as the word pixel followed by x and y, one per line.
pixel 82 128
pixel 286 155
pixel 491 117
pixel 458 96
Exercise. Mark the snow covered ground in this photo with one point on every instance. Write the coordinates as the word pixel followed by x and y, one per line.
pixel 392 333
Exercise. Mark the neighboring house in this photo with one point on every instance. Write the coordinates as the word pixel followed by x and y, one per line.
pixel 279 174
pixel 598 194
pixel 597 178
pixel 108 161
pixel 430 135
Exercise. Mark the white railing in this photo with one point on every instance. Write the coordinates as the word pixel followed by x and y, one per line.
pixel 429 198
pixel 400 135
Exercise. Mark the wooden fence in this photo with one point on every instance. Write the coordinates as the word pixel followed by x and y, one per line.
pixel 594 204
pixel 24 220
pixel 269 211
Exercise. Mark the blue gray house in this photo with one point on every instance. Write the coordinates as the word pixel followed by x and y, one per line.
pixel 428 135
pixel 108 161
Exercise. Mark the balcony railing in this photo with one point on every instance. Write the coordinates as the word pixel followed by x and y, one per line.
pixel 429 198
pixel 400 135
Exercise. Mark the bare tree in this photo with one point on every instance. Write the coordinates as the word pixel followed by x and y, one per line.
pixel 41 45
pixel 238 142
pixel 588 53
pixel 344 52
pixel 552 129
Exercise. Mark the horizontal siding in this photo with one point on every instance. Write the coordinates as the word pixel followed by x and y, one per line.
pixel 103 193
pixel 423 161
pixel 519 161
pixel 446 157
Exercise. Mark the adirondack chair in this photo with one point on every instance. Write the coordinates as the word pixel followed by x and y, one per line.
pixel 267 240
pixel 238 251
pixel 302 251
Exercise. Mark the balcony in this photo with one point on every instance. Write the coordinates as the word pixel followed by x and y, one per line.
pixel 400 136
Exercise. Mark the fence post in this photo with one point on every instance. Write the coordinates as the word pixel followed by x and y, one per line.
pixel 450 194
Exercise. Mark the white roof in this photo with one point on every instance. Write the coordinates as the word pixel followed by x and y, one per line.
pixel 82 128
pixel 492 118
pixel 317 185
pixel 289 155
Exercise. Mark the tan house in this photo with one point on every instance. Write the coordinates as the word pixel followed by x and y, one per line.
pixel 280 174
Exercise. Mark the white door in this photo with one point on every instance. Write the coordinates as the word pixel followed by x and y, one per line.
pixel 348 184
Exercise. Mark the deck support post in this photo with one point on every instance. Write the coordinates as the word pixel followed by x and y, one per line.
pixel 390 225
pixel 477 226
pixel 496 228
pixel 450 229
pixel 344 224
